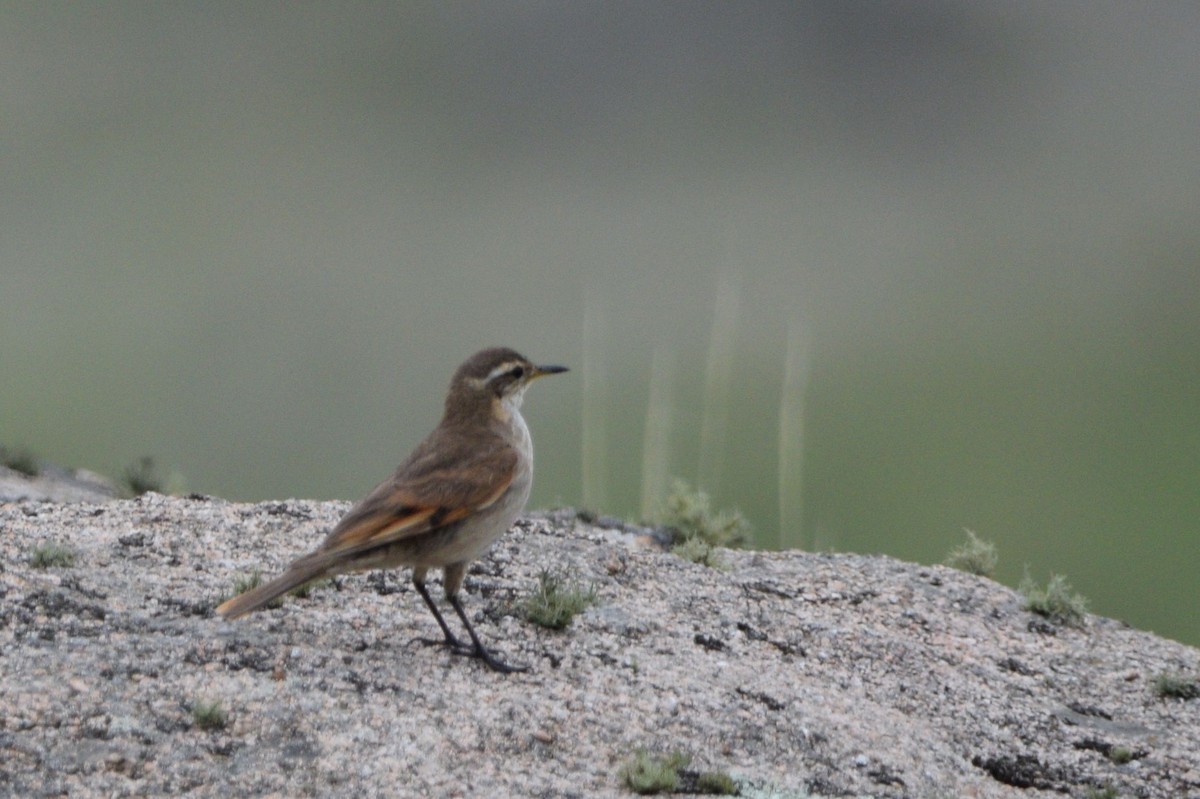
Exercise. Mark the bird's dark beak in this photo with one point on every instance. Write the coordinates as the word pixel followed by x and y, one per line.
pixel 542 371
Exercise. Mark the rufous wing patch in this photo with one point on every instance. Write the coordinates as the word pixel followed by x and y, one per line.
pixel 381 527
pixel 404 508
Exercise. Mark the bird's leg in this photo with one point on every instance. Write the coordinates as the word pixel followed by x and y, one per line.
pixel 453 576
pixel 493 662
pixel 453 579
pixel 451 641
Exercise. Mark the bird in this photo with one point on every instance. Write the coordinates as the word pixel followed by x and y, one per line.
pixel 461 488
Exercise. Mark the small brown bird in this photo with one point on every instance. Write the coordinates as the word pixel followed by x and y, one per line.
pixel 460 490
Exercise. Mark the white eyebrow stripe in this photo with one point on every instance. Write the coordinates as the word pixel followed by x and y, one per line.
pixel 507 366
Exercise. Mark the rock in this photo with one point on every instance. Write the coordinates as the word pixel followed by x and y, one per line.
pixel 793 672
pixel 54 484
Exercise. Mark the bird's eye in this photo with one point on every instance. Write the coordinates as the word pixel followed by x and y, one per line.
pixel 518 372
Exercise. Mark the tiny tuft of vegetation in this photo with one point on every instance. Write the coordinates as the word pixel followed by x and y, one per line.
pixel 1120 755
pixel 698 551
pixel 20 460
pixel 645 773
pixel 1056 601
pixel 557 601
pixel 716 783
pixel 976 556
pixel 696 529
pixel 209 715
pixel 688 513
pixel 51 555
pixel 304 590
pixel 243 584
pixel 141 477
pixel 1171 685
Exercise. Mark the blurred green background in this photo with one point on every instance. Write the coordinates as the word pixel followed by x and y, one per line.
pixel 871 272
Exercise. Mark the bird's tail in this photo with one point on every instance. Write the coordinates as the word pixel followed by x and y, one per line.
pixel 297 574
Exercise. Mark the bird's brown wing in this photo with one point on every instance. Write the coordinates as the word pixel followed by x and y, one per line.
pixel 435 487
pixel 441 483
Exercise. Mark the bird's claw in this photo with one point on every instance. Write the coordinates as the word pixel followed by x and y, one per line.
pixel 469 650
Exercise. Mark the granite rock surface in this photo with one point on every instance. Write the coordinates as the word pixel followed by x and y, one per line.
pixel 796 673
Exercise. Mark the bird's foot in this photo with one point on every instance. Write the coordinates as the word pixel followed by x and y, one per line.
pixel 450 642
pixel 491 661
pixel 470 650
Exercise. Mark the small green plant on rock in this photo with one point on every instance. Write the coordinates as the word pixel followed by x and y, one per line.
pixel 557 601
pixel 688 513
pixel 716 783
pixel 1171 685
pixel 248 583
pixel 208 715
pixel 696 529
pixel 976 556
pixel 645 773
pixel 1120 755
pixel 698 551
pixel 51 555
pixel 1056 601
